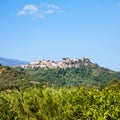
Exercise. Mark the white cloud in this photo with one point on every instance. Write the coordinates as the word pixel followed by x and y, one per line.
pixel 39 12
pixel 31 9
pixel 49 11
pixel 52 6
pixel 21 12
pixel 28 9
pixel 40 16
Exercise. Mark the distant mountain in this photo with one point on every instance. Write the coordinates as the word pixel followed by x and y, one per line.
pixel 12 62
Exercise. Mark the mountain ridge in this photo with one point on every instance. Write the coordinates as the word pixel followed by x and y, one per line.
pixel 12 62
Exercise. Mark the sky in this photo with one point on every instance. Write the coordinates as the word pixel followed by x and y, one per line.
pixel 31 30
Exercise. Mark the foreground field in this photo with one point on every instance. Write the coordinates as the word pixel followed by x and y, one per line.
pixel 76 103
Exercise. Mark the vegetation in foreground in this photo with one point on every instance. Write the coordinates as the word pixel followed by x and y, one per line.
pixel 59 94
pixel 75 103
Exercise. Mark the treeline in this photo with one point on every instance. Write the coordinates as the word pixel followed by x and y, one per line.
pixel 64 103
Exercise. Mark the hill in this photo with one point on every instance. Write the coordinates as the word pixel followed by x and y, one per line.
pixel 10 77
pixel 11 62
pixel 67 72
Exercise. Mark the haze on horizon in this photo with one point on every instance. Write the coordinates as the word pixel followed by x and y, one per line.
pixel 54 29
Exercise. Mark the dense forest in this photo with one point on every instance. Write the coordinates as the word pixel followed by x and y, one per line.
pixel 83 93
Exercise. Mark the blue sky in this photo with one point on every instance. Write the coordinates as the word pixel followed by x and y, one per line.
pixel 53 29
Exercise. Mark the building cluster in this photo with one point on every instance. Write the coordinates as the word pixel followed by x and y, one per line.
pixel 64 63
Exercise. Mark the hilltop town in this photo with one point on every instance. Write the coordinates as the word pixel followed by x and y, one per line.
pixel 64 63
